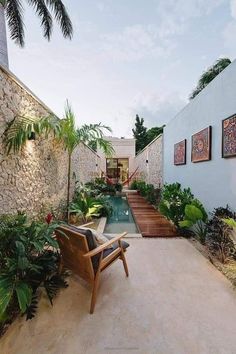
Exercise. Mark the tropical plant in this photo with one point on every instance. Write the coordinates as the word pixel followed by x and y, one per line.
pixel 209 75
pixel 86 207
pixel 29 263
pixel 99 186
pixel 14 11
pixel 219 234
pixel 173 202
pixel 195 218
pixel 90 195
pixel 21 128
pixel 72 137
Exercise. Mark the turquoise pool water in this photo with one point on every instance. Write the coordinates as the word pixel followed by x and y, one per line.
pixel 121 219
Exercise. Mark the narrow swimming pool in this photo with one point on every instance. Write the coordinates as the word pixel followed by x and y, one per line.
pixel 121 219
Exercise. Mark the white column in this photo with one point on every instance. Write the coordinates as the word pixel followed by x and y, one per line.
pixel 3 39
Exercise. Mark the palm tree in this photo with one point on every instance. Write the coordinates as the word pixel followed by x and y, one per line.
pixel 64 130
pixel 209 75
pixel 3 39
pixel 14 11
pixel 72 137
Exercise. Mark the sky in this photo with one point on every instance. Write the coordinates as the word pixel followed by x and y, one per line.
pixel 126 57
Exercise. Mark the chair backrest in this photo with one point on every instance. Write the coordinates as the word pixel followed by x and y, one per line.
pixel 73 245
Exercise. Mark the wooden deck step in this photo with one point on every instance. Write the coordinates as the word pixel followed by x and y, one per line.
pixel 150 221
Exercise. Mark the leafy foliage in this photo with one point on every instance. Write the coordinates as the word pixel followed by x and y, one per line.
pixel 99 186
pixel 195 218
pixel 148 191
pixel 173 202
pixel 14 13
pixel 139 133
pixel 21 128
pixel 209 75
pixel 29 263
pixel 86 207
pixel 89 201
pixel 219 234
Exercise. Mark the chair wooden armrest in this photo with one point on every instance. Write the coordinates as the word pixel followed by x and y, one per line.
pixel 104 246
pixel 87 224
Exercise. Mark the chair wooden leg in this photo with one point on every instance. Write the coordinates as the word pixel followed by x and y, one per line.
pixel 94 293
pixel 95 285
pixel 122 256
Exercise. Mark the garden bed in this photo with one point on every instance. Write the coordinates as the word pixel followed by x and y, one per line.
pixel 228 268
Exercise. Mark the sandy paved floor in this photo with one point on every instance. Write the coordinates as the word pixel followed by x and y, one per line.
pixel 174 302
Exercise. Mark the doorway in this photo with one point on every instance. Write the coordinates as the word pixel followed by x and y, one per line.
pixel 117 169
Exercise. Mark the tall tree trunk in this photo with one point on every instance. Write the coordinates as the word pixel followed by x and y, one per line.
pixel 3 39
pixel 68 186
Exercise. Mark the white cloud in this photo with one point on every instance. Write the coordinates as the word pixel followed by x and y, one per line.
pixel 233 8
pixel 175 15
pixel 229 32
pixel 157 109
pixel 134 43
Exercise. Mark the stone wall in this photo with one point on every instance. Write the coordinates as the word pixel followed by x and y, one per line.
pixel 35 178
pixel 149 163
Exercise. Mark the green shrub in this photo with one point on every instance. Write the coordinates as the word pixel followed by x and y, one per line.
pixel 148 191
pixel 195 219
pixel 173 202
pixel 134 185
pixel 98 186
pixel 29 264
pixel 219 234
pixel 141 187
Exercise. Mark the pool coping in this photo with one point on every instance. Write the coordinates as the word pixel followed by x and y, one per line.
pixel 102 225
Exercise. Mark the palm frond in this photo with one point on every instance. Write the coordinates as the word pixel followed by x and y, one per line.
pixel 62 17
pixel 45 16
pixel 14 15
pixel 105 146
pixel 68 133
pixel 95 133
pixel 21 128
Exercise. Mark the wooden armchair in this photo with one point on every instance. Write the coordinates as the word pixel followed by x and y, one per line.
pixel 80 254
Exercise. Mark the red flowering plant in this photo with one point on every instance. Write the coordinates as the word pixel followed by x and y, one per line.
pixel 49 218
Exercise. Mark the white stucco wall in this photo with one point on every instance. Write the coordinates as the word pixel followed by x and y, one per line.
pixel 213 182
pixel 124 148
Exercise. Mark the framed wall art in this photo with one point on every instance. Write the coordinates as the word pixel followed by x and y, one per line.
pixel 180 153
pixel 229 137
pixel 201 145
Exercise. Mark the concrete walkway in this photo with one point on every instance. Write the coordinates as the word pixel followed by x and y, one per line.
pixel 174 302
